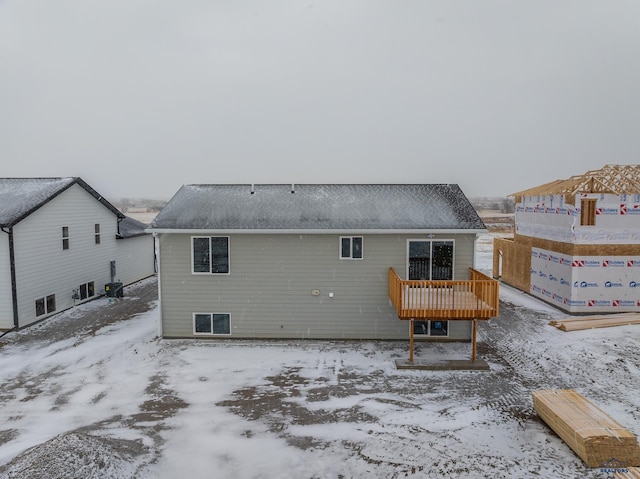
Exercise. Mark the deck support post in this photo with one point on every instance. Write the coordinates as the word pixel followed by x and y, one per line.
pixel 473 340
pixel 411 340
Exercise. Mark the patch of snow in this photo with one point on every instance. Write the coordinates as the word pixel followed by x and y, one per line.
pixel 125 404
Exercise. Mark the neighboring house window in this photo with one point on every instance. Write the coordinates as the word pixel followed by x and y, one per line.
pixel 588 212
pixel 351 247
pixel 431 328
pixel 211 323
pixel 87 290
pixel 211 255
pixel 65 237
pixel 97 233
pixel 46 305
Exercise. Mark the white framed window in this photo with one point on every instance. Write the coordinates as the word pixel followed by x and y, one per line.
pixel 87 290
pixel 96 233
pixel 431 328
pixel 45 305
pixel 210 254
pixel 65 237
pixel 212 324
pixel 351 247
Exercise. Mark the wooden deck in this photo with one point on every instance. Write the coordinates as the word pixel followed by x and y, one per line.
pixel 476 298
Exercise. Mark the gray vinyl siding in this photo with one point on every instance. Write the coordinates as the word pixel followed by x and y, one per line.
pixel 6 308
pixel 135 259
pixel 44 268
pixel 268 292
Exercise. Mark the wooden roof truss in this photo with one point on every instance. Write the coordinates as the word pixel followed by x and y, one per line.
pixel 612 179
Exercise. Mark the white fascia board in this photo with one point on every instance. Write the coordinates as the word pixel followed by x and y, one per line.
pixel 314 231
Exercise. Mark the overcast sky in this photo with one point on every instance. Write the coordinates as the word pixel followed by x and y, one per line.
pixel 139 97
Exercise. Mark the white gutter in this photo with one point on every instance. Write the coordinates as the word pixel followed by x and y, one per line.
pixel 314 231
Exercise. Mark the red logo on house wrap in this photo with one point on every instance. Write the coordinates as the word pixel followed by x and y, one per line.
pixel 623 209
pixel 630 263
pixel 615 302
pixel 598 211
pixel 591 302
pixel 577 263
pixel 605 263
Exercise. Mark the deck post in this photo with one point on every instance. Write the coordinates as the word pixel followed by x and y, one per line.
pixel 473 344
pixel 411 340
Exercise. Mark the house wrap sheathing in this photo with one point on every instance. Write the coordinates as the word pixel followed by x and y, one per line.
pixel 577 242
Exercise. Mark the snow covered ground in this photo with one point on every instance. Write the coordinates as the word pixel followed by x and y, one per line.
pixel 111 400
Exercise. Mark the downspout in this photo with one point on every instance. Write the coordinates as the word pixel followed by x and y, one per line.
pixel 156 244
pixel 14 287
pixel 475 251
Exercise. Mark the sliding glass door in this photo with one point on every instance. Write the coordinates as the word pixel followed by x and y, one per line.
pixel 430 260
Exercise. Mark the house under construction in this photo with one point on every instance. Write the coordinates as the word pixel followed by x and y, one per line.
pixel 577 242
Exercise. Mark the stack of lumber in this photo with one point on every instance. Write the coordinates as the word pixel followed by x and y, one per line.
pixel 602 321
pixel 590 432
pixel 630 473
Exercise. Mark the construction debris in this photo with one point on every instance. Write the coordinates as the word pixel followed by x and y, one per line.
pixel 601 321
pixel 599 440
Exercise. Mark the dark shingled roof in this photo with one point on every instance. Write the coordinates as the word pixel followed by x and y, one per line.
pixel 319 207
pixel 129 228
pixel 19 197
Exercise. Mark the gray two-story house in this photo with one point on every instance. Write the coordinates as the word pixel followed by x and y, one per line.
pixel 322 261
pixel 61 242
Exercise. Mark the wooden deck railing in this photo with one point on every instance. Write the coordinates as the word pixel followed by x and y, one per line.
pixel 476 298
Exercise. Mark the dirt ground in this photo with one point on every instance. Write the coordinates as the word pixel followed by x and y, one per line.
pixel 138 299
pixel 521 361
pixel 65 456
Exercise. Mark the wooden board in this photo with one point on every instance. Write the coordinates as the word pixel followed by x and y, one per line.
pixel 630 473
pixel 593 435
pixel 600 321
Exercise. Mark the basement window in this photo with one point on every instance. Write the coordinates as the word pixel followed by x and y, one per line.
pixel 45 305
pixel 351 247
pixel 588 212
pixel 212 323
pixel 87 290
pixel 431 328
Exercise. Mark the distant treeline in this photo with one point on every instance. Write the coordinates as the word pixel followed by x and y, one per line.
pixel 503 205
pixel 126 204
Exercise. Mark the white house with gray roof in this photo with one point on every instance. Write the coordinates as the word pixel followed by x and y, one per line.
pixel 310 260
pixel 61 242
